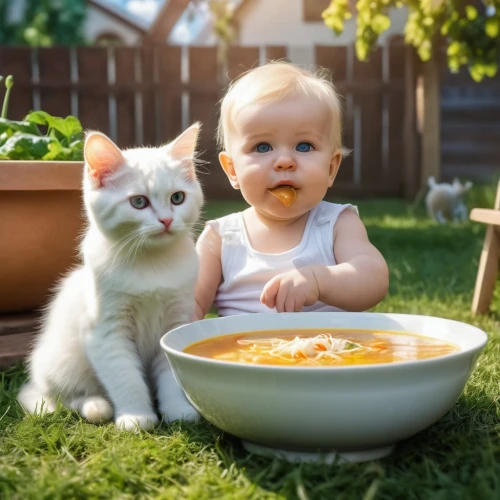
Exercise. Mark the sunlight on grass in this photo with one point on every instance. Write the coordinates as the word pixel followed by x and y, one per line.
pixel 433 271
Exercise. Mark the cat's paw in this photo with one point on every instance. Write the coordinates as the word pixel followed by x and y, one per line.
pixel 183 411
pixel 134 422
pixel 96 409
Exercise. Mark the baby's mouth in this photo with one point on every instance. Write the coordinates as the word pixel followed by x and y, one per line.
pixel 286 194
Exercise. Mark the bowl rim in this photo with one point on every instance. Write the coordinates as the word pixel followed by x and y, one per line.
pixel 465 352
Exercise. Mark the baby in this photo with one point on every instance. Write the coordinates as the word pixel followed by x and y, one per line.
pixel 280 131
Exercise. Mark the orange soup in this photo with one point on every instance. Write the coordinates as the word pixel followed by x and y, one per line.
pixel 320 347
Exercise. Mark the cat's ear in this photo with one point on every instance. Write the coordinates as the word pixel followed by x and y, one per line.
pixel 184 148
pixel 102 157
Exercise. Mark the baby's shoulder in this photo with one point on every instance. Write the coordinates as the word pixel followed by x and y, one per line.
pixel 228 223
pixel 328 212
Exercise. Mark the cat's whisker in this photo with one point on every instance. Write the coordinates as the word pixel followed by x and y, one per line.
pixel 128 240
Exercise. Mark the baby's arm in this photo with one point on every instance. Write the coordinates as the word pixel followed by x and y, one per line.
pixel 359 281
pixel 208 248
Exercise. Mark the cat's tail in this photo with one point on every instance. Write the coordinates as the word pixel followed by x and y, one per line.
pixel 431 181
pixel 35 400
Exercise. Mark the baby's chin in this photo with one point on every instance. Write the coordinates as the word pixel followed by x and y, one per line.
pixel 282 213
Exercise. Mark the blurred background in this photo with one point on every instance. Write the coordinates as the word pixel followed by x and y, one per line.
pixel 419 79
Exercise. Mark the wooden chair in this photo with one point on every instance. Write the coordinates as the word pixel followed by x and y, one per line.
pixel 488 265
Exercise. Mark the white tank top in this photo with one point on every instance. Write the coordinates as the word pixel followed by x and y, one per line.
pixel 245 271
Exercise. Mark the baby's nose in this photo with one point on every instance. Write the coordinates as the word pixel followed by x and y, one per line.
pixel 285 163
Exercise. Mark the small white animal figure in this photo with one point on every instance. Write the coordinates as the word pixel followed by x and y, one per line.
pixel 445 201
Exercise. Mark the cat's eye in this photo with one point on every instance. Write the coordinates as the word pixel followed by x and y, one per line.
pixel 139 202
pixel 263 147
pixel 177 198
pixel 304 147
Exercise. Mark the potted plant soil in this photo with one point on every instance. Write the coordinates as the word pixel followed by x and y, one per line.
pixel 40 204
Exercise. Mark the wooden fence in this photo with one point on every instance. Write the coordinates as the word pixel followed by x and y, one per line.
pixel 147 95
pixel 470 127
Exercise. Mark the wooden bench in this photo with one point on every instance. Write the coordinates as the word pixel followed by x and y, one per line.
pixel 488 265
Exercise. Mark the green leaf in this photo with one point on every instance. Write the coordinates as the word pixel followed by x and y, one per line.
pixel 3 138
pixel 492 27
pixel 25 147
pixel 425 51
pixel 470 12
pixel 70 127
pixel 476 72
pixel 16 126
pixel 380 23
pixel 454 48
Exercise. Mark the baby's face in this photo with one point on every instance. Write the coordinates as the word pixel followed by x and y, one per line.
pixel 288 142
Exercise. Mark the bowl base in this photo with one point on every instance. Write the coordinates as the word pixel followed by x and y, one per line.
pixel 327 457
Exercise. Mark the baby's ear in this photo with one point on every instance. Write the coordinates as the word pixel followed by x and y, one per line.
pixel 228 166
pixel 102 157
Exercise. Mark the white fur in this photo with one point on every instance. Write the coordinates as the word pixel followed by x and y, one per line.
pixel 445 201
pixel 98 350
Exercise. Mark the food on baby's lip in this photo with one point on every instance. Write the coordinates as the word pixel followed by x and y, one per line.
pixel 286 194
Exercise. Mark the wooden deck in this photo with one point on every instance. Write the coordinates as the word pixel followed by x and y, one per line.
pixel 17 333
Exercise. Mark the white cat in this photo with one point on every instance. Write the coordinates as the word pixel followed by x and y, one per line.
pixel 445 201
pixel 98 350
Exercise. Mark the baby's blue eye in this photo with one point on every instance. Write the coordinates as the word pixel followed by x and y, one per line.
pixel 263 147
pixel 177 198
pixel 303 147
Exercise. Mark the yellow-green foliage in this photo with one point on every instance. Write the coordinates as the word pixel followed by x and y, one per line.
pixel 472 37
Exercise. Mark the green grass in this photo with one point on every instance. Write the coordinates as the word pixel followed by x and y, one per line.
pixel 433 272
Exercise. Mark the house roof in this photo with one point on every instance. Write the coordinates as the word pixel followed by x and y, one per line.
pixel 167 17
pixel 137 24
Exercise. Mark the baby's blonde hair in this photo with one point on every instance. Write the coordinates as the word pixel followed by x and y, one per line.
pixel 276 81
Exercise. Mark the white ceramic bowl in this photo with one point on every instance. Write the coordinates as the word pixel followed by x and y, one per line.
pixel 359 412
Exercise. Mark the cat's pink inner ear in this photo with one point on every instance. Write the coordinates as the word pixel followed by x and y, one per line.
pixel 184 146
pixel 102 156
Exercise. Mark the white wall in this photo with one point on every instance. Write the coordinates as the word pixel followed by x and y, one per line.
pixel 280 22
pixel 98 22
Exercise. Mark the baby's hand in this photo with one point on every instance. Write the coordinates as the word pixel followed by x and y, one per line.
pixel 291 291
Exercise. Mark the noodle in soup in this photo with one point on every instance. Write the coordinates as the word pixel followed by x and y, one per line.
pixel 320 347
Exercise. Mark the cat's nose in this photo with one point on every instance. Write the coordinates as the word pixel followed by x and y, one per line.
pixel 166 223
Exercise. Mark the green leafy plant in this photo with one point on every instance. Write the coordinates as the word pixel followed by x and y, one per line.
pixel 471 34
pixel 43 23
pixel 23 140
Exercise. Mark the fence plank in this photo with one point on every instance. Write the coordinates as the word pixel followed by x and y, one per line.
pixel 368 116
pixel 149 76
pixel 336 60
pixel 55 66
pixel 204 106
pixel 241 59
pixel 125 99
pixel 168 97
pixel 395 100
pixel 275 53
pixel 93 102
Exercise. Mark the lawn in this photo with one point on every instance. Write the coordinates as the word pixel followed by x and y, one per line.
pixel 433 272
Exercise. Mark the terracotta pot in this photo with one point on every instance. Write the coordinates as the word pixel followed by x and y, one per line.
pixel 40 222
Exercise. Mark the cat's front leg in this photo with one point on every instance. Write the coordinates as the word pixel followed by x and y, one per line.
pixel 114 357
pixel 172 402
